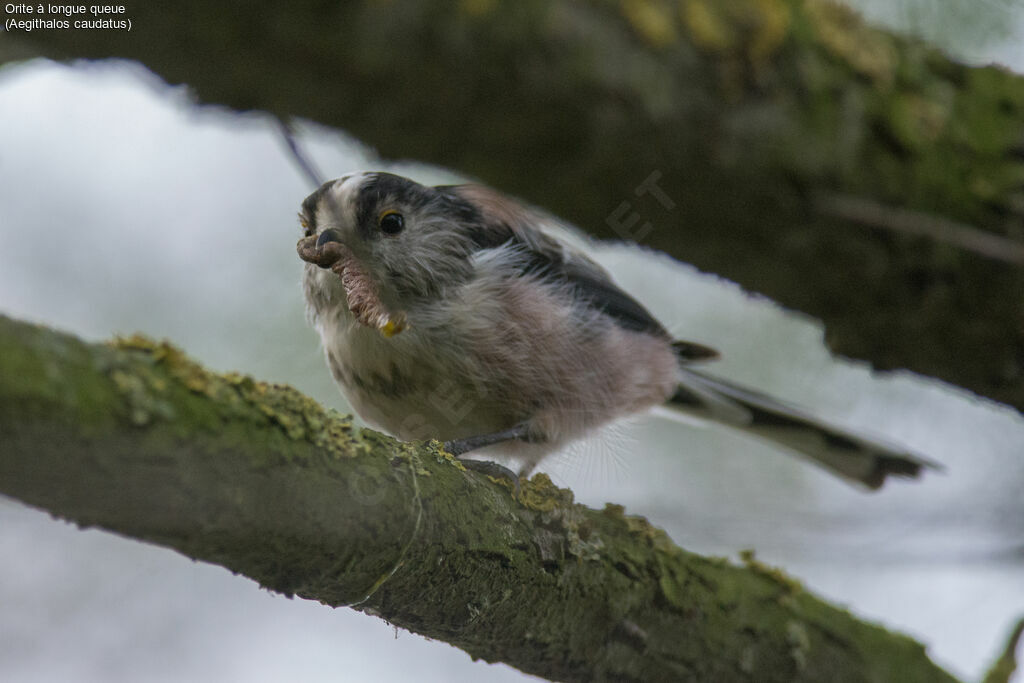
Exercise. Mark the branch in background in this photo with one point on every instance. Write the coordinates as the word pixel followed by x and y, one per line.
pixel 1004 667
pixel 135 438
pixel 287 132
pixel 967 237
pixel 704 128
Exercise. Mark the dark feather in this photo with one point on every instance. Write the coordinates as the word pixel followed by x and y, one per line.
pixel 602 293
pixel 505 221
pixel 692 351
pixel 857 457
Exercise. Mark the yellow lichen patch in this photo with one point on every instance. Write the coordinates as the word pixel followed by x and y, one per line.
pixel 614 510
pixel 844 34
pixel 539 493
pixel 441 455
pixel 298 416
pixel 754 29
pixel 141 386
pixel 653 20
pixel 750 561
pixel 707 26
pixel 135 342
pixel 183 368
pixel 639 526
pixel 770 28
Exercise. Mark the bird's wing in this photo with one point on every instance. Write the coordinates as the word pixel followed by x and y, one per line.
pixel 505 221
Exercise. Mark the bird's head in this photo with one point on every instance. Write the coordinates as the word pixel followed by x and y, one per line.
pixel 411 240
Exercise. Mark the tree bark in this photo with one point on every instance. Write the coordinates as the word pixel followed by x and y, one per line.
pixel 857 176
pixel 134 437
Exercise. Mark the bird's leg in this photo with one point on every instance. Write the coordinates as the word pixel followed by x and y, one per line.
pixel 459 447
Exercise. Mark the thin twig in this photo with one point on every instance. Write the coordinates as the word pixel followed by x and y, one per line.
pixel 876 215
pixel 287 131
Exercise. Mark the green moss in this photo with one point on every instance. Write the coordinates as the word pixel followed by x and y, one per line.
pixel 236 474
pixel 916 121
pixel 143 391
pixel 673 583
pixel 635 524
pixel 143 374
pixel 799 644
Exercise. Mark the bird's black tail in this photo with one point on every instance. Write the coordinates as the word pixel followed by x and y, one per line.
pixel 866 460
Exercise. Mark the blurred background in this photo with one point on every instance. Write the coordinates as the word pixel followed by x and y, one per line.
pixel 117 197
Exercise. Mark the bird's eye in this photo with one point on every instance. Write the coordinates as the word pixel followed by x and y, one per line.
pixel 305 226
pixel 391 222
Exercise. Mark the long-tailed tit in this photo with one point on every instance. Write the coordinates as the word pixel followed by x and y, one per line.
pixel 453 313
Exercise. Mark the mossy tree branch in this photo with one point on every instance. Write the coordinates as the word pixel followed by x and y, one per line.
pixel 135 438
pixel 857 176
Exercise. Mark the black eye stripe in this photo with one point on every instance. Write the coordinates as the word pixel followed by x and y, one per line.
pixel 381 192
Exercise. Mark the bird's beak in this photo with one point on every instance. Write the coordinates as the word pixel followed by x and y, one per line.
pixel 322 250
pixel 329 235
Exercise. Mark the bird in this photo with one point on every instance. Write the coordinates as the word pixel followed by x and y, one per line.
pixel 457 313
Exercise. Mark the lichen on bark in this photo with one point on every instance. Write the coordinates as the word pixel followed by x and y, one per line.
pixel 134 437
